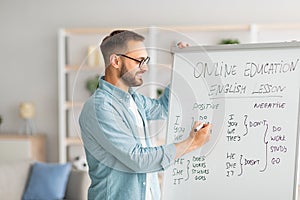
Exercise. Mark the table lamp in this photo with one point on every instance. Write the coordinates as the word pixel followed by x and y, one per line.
pixel 27 112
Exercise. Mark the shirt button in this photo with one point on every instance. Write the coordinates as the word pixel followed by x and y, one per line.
pixel 144 183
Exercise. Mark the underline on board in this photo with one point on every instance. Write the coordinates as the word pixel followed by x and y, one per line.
pixel 243 97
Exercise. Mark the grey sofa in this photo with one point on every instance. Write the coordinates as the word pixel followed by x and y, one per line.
pixel 14 177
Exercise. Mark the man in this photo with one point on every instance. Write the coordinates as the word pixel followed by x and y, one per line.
pixel 122 162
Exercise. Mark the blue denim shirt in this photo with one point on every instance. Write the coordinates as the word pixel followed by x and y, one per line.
pixel 117 161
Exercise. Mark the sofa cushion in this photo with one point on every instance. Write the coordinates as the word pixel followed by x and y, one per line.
pixel 47 181
pixel 13 178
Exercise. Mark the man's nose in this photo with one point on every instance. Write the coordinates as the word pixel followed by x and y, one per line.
pixel 144 68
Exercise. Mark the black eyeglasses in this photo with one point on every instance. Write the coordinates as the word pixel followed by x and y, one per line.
pixel 141 62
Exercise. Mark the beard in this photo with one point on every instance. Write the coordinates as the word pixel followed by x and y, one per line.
pixel 130 78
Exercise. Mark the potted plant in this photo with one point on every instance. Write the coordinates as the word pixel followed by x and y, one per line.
pixel 92 84
pixel 229 41
pixel 1 120
pixel 159 91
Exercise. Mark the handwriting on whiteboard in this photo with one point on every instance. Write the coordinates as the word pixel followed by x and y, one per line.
pixel 271 141
pixel 248 70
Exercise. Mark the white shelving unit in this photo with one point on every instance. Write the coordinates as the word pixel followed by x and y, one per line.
pixel 73 69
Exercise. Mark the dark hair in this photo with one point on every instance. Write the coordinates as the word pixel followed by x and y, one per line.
pixel 116 42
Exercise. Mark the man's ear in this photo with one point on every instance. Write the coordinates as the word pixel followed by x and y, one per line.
pixel 114 60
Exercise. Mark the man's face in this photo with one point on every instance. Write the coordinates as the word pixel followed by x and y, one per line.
pixel 131 73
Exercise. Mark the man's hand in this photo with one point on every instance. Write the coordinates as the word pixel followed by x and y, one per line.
pixel 182 45
pixel 201 136
pixel 194 141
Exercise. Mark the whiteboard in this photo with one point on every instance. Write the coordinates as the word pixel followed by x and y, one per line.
pixel 250 95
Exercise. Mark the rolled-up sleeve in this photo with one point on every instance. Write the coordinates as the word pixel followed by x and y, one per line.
pixel 169 156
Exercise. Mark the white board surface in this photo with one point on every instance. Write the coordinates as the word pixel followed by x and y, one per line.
pixel 250 94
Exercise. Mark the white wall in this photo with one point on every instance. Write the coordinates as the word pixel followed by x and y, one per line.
pixel 28 42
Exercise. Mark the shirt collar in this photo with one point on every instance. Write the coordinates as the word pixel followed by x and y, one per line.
pixel 115 91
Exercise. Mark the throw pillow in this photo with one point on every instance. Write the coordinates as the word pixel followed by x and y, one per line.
pixel 47 181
